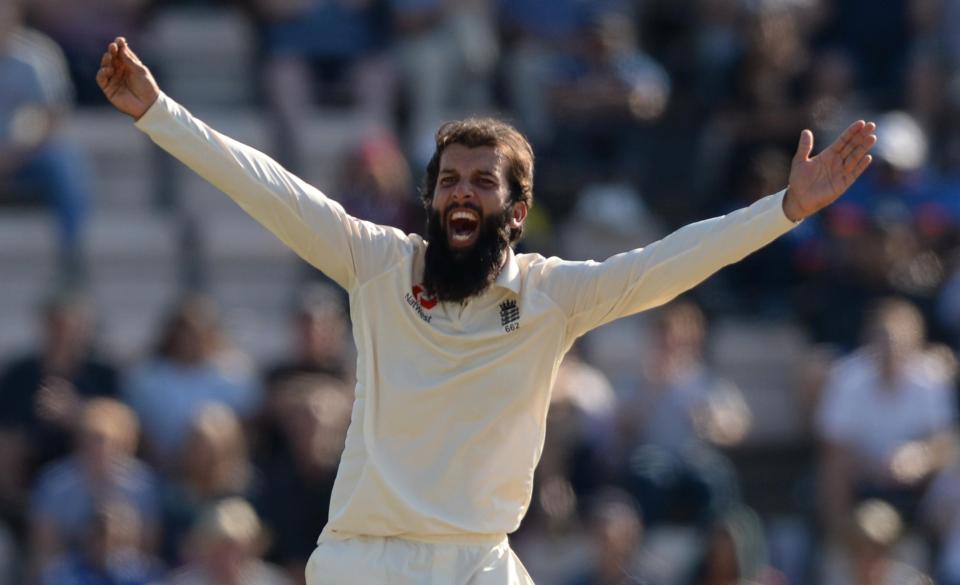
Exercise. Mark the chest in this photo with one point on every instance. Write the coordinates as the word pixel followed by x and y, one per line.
pixel 406 327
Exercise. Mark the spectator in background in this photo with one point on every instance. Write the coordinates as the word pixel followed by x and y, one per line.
pixel 925 80
pixel 583 408
pixel 320 349
pixel 902 187
pixel 321 51
pixel 608 218
pixel 35 161
pixel 82 29
pixel 102 468
pixel 616 531
pixel 536 37
pixel 214 466
pixel 832 94
pixel 760 109
pixel 298 477
pixel 605 92
pixel 445 53
pixel 192 367
pixel 878 40
pixel 320 345
pixel 225 547
pixel 673 423
pixel 889 235
pixel 735 552
pixel 42 395
pixel 571 470
pixel 111 553
pixel 716 45
pixel 885 420
pixel 875 527
pixel 376 185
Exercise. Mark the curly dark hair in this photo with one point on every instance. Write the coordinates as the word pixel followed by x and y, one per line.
pixel 479 132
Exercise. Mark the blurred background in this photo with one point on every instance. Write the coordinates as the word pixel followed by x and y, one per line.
pixel 175 385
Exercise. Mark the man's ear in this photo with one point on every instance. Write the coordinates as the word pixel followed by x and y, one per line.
pixel 518 213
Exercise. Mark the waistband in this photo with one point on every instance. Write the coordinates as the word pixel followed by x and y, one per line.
pixel 467 538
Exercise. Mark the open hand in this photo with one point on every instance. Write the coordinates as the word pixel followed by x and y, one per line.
pixel 126 82
pixel 819 181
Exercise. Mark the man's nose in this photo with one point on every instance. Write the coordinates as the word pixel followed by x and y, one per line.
pixel 462 192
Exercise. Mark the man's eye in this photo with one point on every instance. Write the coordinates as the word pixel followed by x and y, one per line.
pixel 447 181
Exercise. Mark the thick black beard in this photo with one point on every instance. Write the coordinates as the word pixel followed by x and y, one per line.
pixel 454 275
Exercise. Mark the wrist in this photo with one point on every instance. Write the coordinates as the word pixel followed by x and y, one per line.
pixel 149 101
pixel 791 209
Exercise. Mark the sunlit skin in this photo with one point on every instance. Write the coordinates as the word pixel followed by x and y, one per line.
pixel 472 186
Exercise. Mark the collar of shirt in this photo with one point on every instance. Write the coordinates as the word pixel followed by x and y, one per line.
pixel 509 277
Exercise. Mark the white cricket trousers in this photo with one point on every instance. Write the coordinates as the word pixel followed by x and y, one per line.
pixel 374 560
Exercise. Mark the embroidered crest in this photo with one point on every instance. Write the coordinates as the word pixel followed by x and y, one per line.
pixel 509 316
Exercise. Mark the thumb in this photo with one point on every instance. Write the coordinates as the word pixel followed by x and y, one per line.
pixel 805 147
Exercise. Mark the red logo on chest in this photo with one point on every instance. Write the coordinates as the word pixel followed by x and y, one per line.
pixel 426 300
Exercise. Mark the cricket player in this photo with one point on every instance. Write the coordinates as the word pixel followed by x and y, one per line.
pixel 459 338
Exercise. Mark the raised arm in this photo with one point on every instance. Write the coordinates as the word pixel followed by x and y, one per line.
pixel 594 293
pixel 317 228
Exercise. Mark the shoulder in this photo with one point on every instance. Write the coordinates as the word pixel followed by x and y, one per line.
pixel 537 265
pixel 415 242
pixel 44 56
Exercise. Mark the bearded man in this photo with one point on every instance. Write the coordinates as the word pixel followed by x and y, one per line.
pixel 459 338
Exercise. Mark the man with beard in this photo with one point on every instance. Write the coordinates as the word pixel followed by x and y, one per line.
pixel 459 340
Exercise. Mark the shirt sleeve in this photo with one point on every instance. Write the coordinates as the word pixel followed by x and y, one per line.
pixel 346 249
pixel 594 293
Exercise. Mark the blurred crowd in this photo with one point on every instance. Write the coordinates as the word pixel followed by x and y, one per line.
pixel 195 464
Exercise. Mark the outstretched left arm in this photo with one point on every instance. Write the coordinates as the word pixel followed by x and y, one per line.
pixel 594 293
pixel 818 181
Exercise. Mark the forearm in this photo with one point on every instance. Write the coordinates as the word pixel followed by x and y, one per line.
pixel 645 278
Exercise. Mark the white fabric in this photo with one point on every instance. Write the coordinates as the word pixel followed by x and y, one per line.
pixel 451 400
pixel 363 560
pixel 859 412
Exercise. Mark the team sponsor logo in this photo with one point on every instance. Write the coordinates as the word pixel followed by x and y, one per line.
pixel 509 316
pixel 421 301
pixel 426 300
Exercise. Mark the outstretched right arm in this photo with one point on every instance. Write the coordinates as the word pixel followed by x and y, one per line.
pixel 317 228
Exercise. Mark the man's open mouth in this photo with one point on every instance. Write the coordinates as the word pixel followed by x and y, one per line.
pixel 463 225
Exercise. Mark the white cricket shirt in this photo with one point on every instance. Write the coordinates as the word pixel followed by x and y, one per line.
pixel 451 400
